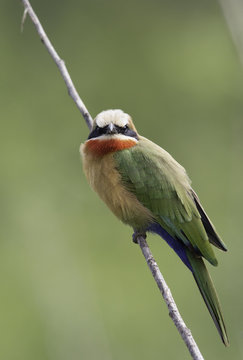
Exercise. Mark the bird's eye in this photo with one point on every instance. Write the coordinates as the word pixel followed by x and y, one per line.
pixel 125 129
pixel 121 129
pixel 98 131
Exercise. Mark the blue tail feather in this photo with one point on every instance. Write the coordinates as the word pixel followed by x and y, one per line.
pixel 175 244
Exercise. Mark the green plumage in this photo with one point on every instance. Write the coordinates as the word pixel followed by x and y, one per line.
pixel 146 188
pixel 163 187
pixel 209 294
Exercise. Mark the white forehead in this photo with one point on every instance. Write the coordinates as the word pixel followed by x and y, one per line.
pixel 117 117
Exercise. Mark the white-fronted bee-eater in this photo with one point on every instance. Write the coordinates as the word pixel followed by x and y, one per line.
pixel 147 189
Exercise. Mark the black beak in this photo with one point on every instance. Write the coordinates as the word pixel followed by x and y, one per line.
pixel 111 129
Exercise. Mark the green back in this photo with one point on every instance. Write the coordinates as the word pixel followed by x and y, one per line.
pixel 162 185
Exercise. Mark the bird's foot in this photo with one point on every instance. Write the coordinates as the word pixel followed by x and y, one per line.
pixel 136 234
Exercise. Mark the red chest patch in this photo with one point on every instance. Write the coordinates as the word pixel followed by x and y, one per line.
pixel 102 147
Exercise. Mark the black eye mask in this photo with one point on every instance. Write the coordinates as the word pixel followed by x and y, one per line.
pixel 98 131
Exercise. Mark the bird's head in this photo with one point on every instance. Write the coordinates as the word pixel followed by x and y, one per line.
pixel 113 124
pixel 112 131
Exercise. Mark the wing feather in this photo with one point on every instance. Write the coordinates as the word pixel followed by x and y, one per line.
pixel 162 185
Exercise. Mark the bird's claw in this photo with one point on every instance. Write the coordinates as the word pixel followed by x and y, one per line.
pixel 136 234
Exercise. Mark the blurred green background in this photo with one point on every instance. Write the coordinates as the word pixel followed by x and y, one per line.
pixel 72 283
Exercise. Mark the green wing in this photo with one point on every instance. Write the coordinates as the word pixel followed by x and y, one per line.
pixel 161 185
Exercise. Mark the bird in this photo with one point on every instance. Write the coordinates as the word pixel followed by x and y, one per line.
pixel 146 188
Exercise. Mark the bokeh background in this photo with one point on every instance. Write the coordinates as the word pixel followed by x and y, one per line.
pixel 72 283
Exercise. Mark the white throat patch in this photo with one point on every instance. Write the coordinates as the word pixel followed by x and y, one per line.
pixel 116 117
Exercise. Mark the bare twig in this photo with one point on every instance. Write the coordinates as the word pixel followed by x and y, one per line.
pixel 233 11
pixel 170 302
pixel 23 19
pixel 59 62
pixel 164 289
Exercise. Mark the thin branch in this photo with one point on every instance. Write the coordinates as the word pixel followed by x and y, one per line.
pixel 170 302
pixel 59 62
pixel 233 11
pixel 164 289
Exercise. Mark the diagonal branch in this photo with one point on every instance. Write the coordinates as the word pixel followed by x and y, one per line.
pixel 59 62
pixel 164 289
pixel 170 302
pixel 232 11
